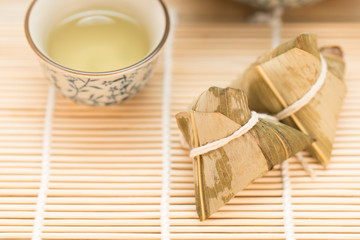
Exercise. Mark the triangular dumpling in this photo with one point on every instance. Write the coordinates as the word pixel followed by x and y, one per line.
pixel 281 77
pixel 221 173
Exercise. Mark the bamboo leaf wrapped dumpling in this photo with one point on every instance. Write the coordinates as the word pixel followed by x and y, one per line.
pixel 221 173
pixel 281 77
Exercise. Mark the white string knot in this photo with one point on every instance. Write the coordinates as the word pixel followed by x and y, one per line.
pixel 223 141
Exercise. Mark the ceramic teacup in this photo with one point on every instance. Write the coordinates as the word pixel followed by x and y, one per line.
pixel 97 88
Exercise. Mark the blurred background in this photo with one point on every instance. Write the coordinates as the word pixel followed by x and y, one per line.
pixel 226 10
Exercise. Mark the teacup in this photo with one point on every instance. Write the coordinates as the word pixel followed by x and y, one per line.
pixel 97 88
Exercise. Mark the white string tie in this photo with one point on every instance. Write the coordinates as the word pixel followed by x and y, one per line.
pixel 223 141
pixel 306 166
pixel 304 100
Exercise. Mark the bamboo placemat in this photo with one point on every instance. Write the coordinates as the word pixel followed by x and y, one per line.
pixel 106 164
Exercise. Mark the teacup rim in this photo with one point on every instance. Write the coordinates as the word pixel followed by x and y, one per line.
pixel 143 61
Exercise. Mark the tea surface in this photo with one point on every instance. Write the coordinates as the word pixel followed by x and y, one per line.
pixel 98 41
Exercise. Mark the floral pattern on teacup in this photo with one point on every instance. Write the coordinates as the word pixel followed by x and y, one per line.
pixel 102 90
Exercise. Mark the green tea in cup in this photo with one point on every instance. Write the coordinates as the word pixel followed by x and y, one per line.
pixel 98 41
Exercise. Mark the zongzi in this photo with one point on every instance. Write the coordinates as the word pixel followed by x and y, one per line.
pixel 281 77
pixel 221 172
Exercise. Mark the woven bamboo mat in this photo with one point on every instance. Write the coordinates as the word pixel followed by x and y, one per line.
pixel 106 164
